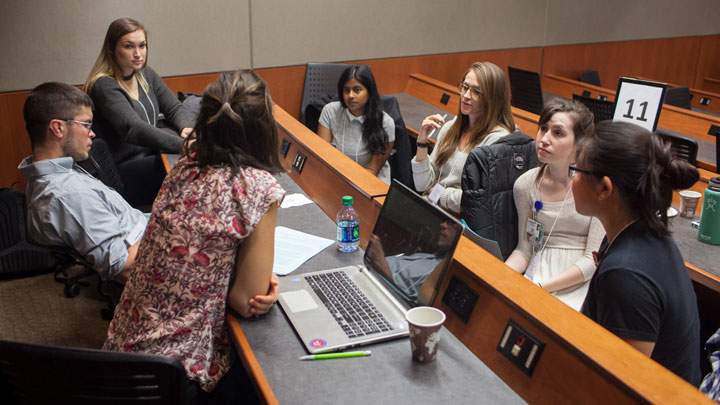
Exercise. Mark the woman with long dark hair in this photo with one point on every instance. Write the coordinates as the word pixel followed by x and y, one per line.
pixel 357 125
pixel 625 176
pixel 555 243
pixel 209 243
pixel 129 100
pixel 484 116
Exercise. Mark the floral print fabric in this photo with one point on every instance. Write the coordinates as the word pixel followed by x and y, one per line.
pixel 174 300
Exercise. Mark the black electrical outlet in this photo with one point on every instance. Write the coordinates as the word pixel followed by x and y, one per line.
pixel 460 298
pixel 586 93
pixel 299 162
pixel 444 99
pixel 714 130
pixel 704 101
pixel 520 347
pixel 285 147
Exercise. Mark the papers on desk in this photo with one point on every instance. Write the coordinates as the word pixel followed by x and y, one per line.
pixel 293 248
pixel 295 200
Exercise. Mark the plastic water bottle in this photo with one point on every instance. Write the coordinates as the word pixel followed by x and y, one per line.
pixel 348 226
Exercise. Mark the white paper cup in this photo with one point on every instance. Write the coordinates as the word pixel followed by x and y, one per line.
pixel 688 203
pixel 424 324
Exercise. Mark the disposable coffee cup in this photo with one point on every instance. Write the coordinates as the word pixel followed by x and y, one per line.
pixel 688 203
pixel 424 324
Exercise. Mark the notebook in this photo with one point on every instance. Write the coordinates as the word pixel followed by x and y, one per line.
pixel 407 256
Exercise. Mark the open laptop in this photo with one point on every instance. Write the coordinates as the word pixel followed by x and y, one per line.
pixel 408 254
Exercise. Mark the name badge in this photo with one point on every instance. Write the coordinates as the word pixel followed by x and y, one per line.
pixel 535 231
pixel 435 193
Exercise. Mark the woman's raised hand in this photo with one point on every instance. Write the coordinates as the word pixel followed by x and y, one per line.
pixel 429 124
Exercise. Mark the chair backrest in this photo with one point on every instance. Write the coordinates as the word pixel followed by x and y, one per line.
pixel 601 109
pixel 19 257
pixel 679 97
pixel 590 77
pixel 681 146
pixel 525 90
pixel 102 166
pixel 400 168
pixel 320 81
pixel 50 374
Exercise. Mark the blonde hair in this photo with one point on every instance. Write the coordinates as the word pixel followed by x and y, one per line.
pixel 105 65
pixel 495 107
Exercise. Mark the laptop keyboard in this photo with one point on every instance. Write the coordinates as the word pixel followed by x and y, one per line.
pixel 352 310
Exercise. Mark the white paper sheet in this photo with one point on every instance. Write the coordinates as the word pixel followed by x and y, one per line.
pixel 293 248
pixel 294 200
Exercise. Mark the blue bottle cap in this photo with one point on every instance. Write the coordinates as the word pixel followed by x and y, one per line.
pixel 538 205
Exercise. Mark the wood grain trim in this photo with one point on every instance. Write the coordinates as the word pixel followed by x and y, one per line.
pixel 328 174
pixel 166 162
pixel 691 123
pixel 342 165
pixel 250 362
pixel 606 368
pixel 712 80
pixel 703 277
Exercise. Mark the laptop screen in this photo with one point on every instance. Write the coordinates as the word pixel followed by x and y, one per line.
pixel 411 245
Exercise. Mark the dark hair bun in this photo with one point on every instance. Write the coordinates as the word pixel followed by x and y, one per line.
pixel 681 174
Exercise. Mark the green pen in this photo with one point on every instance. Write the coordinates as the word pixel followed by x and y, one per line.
pixel 339 355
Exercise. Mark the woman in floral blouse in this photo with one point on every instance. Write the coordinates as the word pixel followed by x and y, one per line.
pixel 209 242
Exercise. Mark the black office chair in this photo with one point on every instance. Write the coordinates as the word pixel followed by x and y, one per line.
pixel 19 257
pixel 320 86
pixel 400 168
pixel 590 77
pixel 681 146
pixel 601 109
pixel 525 90
pixel 36 374
pixel 679 97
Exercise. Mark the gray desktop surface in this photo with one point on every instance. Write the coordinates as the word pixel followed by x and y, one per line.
pixel 388 376
pixel 700 254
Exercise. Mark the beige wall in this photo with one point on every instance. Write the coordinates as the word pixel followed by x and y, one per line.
pixel 44 40
pixel 578 21
pixel 351 29
pixel 59 40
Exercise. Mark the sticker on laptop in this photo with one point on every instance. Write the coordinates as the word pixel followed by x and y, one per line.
pixel 318 343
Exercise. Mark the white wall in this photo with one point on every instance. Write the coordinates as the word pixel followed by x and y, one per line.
pixel 45 40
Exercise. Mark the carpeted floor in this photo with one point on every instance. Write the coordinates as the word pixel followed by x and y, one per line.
pixel 35 310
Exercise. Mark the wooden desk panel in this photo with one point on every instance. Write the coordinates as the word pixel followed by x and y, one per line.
pixel 328 174
pixel 690 123
pixel 581 362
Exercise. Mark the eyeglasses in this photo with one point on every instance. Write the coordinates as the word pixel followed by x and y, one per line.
pixel 573 170
pixel 475 91
pixel 86 124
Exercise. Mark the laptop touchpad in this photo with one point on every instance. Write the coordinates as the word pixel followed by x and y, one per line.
pixel 298 301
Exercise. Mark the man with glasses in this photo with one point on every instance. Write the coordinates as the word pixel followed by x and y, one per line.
pixel 66 205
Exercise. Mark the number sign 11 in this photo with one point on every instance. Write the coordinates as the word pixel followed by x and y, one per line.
pixel 639 102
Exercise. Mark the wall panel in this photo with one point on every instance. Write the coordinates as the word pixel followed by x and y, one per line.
pixel 669 59
pixel 351 30
pixel 573 21
pixel 44 40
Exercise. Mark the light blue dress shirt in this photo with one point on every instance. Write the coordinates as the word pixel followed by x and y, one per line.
pixel 69 207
